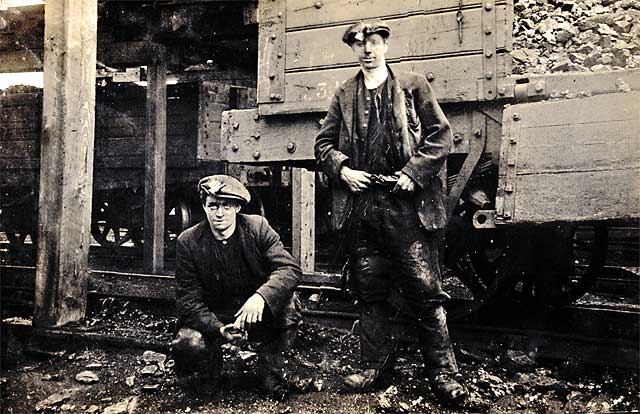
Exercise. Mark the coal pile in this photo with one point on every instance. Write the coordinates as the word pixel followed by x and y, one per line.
pixel 575 35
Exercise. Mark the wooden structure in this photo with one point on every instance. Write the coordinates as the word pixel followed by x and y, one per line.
pixel 130 36
pixel 155 166
pixel 461 46
pixel 501 170
pixel 66 161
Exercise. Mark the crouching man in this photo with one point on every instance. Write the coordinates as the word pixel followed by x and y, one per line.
pixel 235 282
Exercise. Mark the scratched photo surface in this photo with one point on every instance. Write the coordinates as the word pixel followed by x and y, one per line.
pixel 524 119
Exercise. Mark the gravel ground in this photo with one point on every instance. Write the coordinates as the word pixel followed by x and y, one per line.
pixel 135 380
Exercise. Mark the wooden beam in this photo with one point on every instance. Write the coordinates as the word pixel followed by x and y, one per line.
pixel 66 174
pixel 303 226
pixel 155 166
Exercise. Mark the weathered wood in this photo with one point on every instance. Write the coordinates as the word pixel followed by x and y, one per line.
pixel 213 99
pixel 271 50
pixel 21 60
pixel 18 164
pixel 452 82
pixel 21 114
pixel 10 100
pixel 567 85
pixel 306 13
pixel 303 222
pixel 247 137
pixel 155 166
pixel 425 39
pixel 581 195
pixel 413 37
pixel 10 136
pixel 19 149
pixel 577 159
pixel 491 33
pixel 132 285
pixel 66 162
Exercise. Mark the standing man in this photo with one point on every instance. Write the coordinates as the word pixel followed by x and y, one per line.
pixel 235 282
pixel 383 145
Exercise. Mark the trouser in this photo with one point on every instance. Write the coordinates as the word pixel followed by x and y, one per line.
pixel 199 355
pixel 394 268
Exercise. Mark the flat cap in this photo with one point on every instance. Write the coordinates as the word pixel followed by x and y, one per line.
pixel 360 30
pixel 224 186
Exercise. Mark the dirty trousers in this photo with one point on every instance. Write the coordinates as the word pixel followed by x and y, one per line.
pixel 195 354
pixel 394 269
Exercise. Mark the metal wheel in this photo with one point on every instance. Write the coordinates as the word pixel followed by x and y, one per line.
pixel 22 246
pixel 484 261
pixel 177 219
pixel 110 221
pixel 564 262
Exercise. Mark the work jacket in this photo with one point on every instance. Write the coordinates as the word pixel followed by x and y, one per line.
pixel 420 131
pixel 198 290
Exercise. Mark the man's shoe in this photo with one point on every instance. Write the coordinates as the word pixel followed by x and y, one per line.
pixel 276 386
pixel 365 381
pixel 448 390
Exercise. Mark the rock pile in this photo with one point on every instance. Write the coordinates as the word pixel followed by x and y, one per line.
pixel 575 35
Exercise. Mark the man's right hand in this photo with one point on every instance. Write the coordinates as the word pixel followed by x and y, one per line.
pixel 232 334
pixel 356 180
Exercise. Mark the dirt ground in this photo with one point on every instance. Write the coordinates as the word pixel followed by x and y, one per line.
pixel 137 380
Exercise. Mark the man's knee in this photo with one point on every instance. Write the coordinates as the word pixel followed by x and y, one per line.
pixel 369 278
pixel 192 352
pixel 189 340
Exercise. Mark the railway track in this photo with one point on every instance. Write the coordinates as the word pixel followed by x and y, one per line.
pixel 601 333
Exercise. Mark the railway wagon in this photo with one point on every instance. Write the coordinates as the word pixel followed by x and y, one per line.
pixel 540 164
pixel 117 212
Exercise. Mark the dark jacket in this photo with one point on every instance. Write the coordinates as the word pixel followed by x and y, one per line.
pixel 198 291
pixel 421 130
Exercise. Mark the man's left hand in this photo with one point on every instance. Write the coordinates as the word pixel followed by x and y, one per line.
pixel 250 313
pixel 405 183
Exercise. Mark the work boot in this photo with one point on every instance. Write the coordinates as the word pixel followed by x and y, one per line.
pixel 367 380
pixel 275 385
pixel 447 389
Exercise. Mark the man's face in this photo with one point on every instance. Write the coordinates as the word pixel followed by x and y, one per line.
pixel 370 51
pixel 221 212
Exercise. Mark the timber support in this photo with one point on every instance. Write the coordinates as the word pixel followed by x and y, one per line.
pixel 155 166
pixel 66 163
pixel 303 232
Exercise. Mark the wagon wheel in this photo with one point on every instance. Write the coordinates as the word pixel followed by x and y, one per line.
pixel 177 218
pixel 110 221
pixel 19 250
pixel 485 261
pixel 564 263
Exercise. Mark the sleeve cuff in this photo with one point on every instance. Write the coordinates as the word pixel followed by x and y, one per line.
pixel 409 171
pixel 269 299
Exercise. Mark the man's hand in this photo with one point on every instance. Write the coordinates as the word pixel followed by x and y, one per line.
pixel 356 180
pixel 250 313
pixel 405 183
pixel 232 334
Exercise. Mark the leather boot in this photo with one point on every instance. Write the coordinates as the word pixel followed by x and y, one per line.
pixel 272 376
pixel 447 389
pixel 365 381
pixel 275 385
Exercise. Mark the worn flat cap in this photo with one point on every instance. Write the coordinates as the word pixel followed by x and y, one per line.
pixel 360 30
pixel 224 186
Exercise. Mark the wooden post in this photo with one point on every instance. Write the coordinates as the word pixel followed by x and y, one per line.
pixel 66 162
pixel 303 229
pixel 155 166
